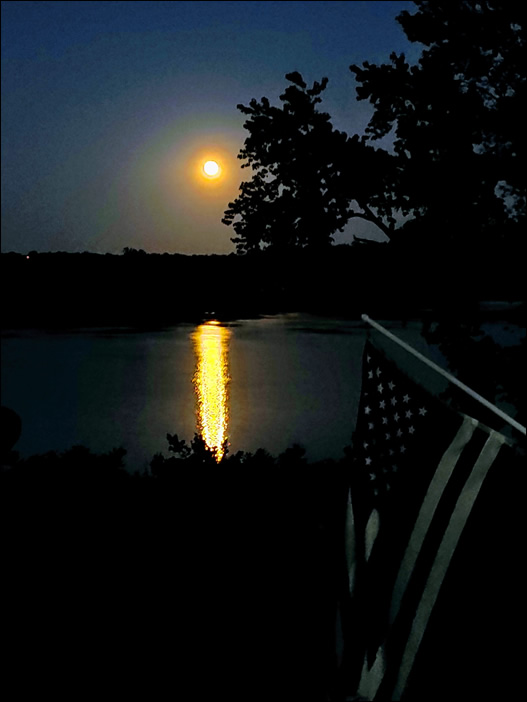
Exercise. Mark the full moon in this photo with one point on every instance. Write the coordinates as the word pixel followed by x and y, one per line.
pixel 211 168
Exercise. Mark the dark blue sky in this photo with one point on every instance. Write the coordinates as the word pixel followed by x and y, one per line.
pixel 108 108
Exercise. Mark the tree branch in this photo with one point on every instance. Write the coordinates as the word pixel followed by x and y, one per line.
pixel 369 216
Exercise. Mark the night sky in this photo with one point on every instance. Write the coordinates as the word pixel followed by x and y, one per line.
pixel 109 109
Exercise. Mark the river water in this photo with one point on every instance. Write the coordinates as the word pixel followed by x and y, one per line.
pixel 269 383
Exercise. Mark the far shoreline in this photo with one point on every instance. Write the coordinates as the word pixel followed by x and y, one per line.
pixel 484 310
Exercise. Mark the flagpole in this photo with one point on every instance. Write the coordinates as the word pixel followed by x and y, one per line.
pixel 446 375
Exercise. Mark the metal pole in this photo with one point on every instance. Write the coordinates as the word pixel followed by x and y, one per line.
pixel 446 375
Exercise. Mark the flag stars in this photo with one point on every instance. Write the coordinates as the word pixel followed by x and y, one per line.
pixel 391 412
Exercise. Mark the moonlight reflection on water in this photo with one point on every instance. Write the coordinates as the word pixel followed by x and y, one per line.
pixel 211 380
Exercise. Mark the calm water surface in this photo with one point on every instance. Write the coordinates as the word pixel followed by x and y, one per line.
pixel 265 383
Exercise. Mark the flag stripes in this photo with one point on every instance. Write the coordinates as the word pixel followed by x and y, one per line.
pixel 443 558
pixel 410 508
pixel 427 511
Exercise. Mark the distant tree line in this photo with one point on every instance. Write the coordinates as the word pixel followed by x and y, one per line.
pixel 454 178
pixel 88 289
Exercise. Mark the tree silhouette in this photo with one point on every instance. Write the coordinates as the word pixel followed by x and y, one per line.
pixel 308 178
pixel 130 251
pixel 456 118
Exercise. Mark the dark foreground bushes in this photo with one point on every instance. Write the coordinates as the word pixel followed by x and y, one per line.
pixel 198 578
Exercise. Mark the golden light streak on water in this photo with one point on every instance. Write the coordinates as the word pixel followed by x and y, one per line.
pixel 211 380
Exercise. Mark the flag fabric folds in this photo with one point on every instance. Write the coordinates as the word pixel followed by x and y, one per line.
pixel 418 499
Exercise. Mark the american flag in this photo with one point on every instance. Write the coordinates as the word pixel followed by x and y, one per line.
pixel 418 470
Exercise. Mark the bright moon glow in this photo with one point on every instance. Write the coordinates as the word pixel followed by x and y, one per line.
pixel 211 168
pixel 211 343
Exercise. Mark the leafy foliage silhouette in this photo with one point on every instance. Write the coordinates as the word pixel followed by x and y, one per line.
pixel 306 175
pixel 456 121
pixel 454 176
